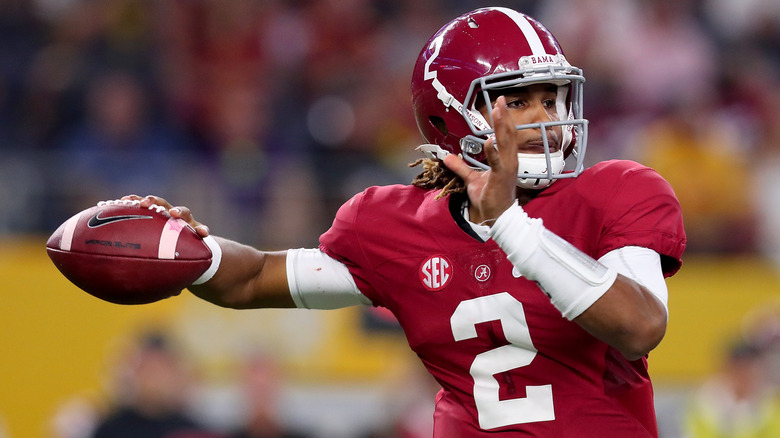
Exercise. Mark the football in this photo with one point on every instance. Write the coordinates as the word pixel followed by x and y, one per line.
pixel 123 253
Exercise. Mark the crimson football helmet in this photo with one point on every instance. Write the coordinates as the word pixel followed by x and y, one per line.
pixel 484 51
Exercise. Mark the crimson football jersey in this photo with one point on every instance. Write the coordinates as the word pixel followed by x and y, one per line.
pixel 509 364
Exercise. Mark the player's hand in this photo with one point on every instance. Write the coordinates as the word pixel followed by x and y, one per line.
pixel 179 212
pixel 492 192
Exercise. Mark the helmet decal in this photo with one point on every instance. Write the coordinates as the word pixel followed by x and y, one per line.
pixel 534 42
pixel 441 91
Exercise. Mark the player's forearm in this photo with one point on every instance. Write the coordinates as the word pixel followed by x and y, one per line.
pixel 612 307
pixel 627 317
pixel 246 278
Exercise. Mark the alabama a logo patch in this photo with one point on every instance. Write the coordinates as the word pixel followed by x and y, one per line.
pixel 482 273
pixel 435 272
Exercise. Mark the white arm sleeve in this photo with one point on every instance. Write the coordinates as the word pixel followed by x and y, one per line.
pixel 642 265
pixel 317 281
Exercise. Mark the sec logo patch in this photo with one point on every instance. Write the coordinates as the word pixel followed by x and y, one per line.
pixel 435 272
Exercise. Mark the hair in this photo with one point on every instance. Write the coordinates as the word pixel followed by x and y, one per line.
pixel 436 176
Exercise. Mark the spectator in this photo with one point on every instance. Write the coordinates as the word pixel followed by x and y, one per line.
pixel 118 147
pixel 260 382
pixel 151 398
pixel 736 402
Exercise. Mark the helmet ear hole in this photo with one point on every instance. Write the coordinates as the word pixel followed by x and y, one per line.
pixel 439 124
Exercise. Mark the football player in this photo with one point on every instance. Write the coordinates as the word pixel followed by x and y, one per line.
pixel 531 288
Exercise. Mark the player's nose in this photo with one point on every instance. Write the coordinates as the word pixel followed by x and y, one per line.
pixel 538 113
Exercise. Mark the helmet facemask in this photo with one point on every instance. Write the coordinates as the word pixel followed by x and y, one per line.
pixel 536 171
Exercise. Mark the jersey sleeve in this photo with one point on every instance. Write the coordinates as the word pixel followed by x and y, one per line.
pixel 644 211
pixel 343 243
pixel 317 281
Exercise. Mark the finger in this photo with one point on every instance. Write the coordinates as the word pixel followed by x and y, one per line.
pixel 185 214
pixel 202 230
pixel 491 154
pixel 505 133
pixel 131 198
pixel 459 167
pixel 150 200
pixel 181 213
pixel 501 150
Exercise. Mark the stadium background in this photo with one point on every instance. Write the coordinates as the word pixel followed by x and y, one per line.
pixel 264 116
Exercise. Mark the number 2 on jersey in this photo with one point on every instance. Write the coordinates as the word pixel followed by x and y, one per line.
pixel 493 412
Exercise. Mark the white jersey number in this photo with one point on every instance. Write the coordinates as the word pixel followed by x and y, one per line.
pixel 538 403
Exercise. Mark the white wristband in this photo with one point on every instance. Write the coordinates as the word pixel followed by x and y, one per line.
pixel 572 279
pixel 216 258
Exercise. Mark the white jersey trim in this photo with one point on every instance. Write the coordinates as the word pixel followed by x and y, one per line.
pixel 642 265
pixel 317 281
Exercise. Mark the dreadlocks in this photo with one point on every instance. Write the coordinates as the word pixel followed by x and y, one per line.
pixel 436 175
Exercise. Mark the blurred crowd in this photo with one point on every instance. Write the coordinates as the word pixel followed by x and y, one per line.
pixel 155 388
pixel 742 399
pixel 265 115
